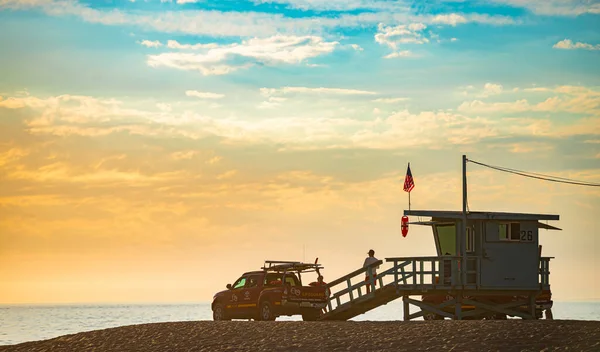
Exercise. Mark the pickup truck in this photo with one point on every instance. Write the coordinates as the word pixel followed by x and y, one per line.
pixel 274 291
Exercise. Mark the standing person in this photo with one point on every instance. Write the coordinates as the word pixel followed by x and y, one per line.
pixel 370 260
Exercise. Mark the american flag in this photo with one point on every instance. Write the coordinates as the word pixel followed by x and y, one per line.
pixel 409 184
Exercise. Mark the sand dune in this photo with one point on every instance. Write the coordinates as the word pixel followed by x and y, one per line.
pixel 509 335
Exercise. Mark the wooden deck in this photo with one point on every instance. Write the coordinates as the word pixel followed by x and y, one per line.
pixel 417 276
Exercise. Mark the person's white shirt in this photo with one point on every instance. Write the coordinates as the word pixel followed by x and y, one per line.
pixel 371 260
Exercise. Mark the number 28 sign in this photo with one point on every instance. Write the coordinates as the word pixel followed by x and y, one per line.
pixel 527 236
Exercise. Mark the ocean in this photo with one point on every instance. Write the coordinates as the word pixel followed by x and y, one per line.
pixel 22 323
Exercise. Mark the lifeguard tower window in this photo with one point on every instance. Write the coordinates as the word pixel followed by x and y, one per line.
pixel 509 231
pixel 470 240
pixel 446 237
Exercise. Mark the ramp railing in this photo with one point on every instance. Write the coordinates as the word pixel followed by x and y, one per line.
pixel 344 286
pixel 544 272
pixel 406 274
pixel 434 272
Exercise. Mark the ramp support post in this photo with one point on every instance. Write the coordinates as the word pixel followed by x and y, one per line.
pixel 458 307
pixel 532 306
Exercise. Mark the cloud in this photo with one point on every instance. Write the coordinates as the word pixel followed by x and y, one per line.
pixel 389 100
pixel 529 147
pixel 164 107
pixel 567 44
pixel 203 95
pixel 184 155
pixel 93 117
pixel 491 89
pixel 390 12
pixel 339 5
pixel 357 47
pixel 414 33
pixel 271 102
pixel 393 36
pixel 479 106
pixel 488 89
pixel 313 130
pixel 151 44
pixel 214 160
pixel 307 90
pixel 12 103
pixel 12 154
pixel 555 7
pixel 227 175
pixel 173 44
pixel 201 22
pixel 67 106
pixel 225 59
pixel 205 65
pixel 402 34
pixel 60 171
pixel 268 104
pixel 397 54
pixel 180 2
pixel 85 115
pixel 454 19
pixel 573 99
pixel 242 24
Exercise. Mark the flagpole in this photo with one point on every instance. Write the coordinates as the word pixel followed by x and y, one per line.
pixel 408 183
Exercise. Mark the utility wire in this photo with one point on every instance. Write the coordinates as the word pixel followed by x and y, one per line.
pixel 542 175
pixel 537 176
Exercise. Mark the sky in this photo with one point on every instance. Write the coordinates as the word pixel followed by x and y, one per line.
pixel 153 151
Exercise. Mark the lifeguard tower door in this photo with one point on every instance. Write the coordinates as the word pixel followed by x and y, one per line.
pixel 510 255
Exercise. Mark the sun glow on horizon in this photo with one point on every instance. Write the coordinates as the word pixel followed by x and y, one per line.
pixel 188 143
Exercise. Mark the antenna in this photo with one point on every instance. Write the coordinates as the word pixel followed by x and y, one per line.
pixel 303 252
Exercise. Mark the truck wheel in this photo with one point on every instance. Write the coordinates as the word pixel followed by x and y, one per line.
pixel 311 314
pixel 219 312
pixel 266 312
pixel 549 315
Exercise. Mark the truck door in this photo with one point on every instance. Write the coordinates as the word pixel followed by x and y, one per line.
pixel 248 304
pixel 235 298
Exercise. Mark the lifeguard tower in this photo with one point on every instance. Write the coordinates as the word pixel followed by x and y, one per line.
pixel 488 266
pixel 502 273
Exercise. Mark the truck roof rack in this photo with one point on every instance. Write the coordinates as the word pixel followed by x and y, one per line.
pixel 278 266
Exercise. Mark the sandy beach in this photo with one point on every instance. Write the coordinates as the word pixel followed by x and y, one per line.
pixel 509 335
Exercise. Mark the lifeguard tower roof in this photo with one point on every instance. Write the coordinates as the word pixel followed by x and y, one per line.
pixel 480 215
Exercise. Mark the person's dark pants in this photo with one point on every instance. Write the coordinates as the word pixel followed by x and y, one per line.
pixel 369 284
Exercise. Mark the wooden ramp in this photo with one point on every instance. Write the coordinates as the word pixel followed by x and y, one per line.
pixel 415 276
pixel 362 305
